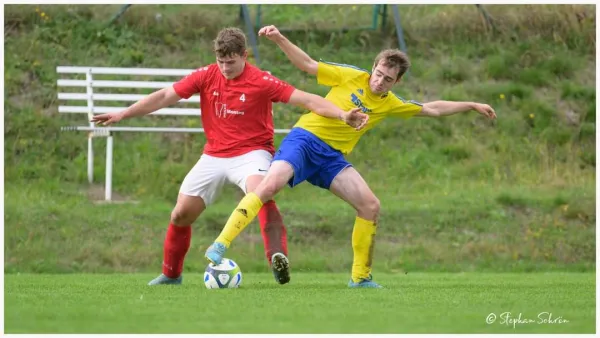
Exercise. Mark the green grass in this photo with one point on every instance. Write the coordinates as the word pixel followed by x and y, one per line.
pixel 458 194
pixel 468 228
pixel 477 217
pixel 311 303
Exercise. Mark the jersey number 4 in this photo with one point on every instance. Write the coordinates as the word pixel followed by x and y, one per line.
pixel 243 98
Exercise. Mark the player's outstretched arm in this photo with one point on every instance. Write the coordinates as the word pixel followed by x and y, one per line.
pixel 298 57
pixel 153 102
pixel 446 108
pixel 354 117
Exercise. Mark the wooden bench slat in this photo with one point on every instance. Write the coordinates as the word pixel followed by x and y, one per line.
pixel 124 71
pixel 102 110
pixel 113 84
pixel 115 97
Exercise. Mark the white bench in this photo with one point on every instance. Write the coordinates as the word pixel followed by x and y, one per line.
pixel 91 107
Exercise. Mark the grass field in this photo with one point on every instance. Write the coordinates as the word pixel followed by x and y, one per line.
pixel 477 217
pixel 311 303
pixel 472 227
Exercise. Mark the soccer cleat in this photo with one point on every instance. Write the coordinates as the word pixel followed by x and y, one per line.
pixel 364 283
pixel 215 253
pixel 162 279
pixel 281 268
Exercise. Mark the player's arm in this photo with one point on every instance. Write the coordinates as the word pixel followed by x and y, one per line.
pixel 446 108
pixel 165 97
pixel 296 55
pixel 153 102
pixel 318 105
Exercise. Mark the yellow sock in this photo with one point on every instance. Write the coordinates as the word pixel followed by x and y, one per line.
pixel 363 241
pixel 243 214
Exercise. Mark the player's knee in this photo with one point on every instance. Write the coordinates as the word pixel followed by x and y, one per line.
pixel 370 208
pixel 183 217
pixel 375 206
pixel 268 189
pixel 177 216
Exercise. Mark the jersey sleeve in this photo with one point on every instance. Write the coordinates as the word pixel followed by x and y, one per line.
pixel 276 89
pixel 335 74
pixel 191 83
pixel 403 108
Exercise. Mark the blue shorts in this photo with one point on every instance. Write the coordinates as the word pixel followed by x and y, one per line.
pixel 312 159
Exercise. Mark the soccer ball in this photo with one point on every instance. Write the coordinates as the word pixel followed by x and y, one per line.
pixel 226 275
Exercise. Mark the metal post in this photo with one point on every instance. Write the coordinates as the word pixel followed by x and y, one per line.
pixel 399 28
pixel 109 160
pixel 118 14
pixel 90 104
pixel 384 17
pixel 250 32
pixel 90 159
pixel 258 23
pixel 375 16
pixel 488 18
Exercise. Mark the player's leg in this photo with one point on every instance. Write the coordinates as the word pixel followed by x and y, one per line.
pixel 352 188
pixel 278 175
pixel 338 176
pixel 247 172
pixel 274 235
pixel 291 164
pixel 198 189
pixel 272 228
pixel 178 238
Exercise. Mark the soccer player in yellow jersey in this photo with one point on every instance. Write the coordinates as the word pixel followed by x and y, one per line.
pixel 314 150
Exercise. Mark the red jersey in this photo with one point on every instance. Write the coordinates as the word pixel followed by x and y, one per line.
pixel 236 114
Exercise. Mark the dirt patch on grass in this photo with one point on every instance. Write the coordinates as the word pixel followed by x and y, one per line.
pixel 95 193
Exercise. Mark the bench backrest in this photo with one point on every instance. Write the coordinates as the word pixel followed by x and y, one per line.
pixel 93 98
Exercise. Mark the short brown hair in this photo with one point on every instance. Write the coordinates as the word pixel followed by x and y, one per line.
pixel 230 41
pixel 393 58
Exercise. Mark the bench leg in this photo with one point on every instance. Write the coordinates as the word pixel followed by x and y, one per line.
pixel 90 168
pixel 109 160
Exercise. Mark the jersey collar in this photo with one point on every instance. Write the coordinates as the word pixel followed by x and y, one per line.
pixel 375 97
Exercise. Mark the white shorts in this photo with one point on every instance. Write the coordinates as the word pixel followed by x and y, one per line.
pixel 207 177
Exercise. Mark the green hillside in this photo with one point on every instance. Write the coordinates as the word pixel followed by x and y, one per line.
pixel 458 194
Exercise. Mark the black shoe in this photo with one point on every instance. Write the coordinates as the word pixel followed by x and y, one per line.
pixel 281 268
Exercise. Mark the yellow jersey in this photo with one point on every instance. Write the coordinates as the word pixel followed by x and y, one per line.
pixel 350 89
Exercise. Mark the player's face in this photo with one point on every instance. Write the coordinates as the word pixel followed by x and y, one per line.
pixel 382 79
pixel 232 66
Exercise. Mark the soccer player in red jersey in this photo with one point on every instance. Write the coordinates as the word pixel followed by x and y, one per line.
pixel 236 103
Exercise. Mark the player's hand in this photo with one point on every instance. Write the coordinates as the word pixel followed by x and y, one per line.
pixel 271 32
pixel 107 119
pixel 356 118
pixel 485 110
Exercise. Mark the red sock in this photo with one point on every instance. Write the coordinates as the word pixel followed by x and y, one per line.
pixel 272 230
pixel 177 243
